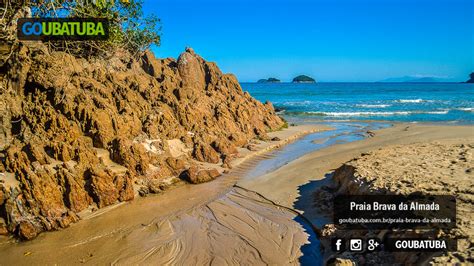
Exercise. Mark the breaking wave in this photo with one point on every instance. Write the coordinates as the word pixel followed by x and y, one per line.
pixel 466 109
pixel 412 101
pixel 373 105
pixel 338 114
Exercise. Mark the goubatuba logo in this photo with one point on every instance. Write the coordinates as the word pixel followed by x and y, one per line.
pixel 62 29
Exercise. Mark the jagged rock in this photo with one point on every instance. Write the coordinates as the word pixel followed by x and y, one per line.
pixel 261 134
pixel 37 153
pixel 76 195
pixel 3 227
pixel 417 168
pixel 196 176
pixel 252 147
pixel 238 139
pixel 276 139
pixel 341 262
pixel 191 70
pixel 205 153
pixel 27 230
pixel 224 146
pixel 109 189
pixel 154 186
pixel 62 151
pixel 328 229
pixel 131 155
pixel 177 165
pixel 124 184
pixel 157 186
pixel 227 161
pixel 57 110
pixel 2 196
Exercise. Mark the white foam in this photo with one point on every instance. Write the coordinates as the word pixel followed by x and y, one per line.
pixel 410 100
pixel 361 113
pixel 443 112
pixel 338 114
pixel 373 105
pixel 298 103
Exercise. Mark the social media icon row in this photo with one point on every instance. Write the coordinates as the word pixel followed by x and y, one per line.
pixel 356 245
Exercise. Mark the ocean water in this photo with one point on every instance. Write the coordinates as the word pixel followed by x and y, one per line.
pixel 407 102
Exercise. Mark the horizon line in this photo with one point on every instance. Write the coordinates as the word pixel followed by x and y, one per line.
pixel 352 82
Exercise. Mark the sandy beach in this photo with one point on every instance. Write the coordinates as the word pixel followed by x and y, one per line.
pixel 297 184
pixel 119 233
pixel 286 180
pixel 222 133
pixel 269 219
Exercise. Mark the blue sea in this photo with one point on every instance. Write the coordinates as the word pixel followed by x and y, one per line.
pixel 407 102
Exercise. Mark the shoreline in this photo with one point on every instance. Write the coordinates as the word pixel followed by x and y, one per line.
pixel 280 186
pixel 314 170
pixel 335 155
pixel 180 199
pixel 431 168
pixel 291 119
pixel 286 136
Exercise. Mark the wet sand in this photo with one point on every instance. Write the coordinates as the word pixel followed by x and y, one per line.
pixel 188 224
pixel 217 223
pixel 282 186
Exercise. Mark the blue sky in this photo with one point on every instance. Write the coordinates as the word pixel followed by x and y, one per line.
pixel 330 40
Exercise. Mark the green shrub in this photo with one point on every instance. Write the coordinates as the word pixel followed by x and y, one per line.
pixel 284 126
pixel 128 28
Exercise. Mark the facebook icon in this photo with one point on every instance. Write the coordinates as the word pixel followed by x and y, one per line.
pixel 338 245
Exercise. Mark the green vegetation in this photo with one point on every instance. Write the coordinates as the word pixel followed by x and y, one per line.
pixel 285 125
pixel 129 28
pixel 303 79
pixel 471 80
pixel 269 80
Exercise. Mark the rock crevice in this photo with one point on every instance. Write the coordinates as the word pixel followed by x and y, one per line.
pixel 58 112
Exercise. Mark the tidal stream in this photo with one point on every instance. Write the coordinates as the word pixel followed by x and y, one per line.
pixel 213 223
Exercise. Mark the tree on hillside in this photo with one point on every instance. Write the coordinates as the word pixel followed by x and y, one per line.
pixel 471 80
pixel 129 28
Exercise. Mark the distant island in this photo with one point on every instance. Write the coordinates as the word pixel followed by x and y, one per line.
pixel 414 79
pixel 303 79
pixel 471 80
pixel 269 80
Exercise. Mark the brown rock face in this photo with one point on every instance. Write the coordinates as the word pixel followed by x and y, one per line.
pixel 429 168
pixel 2 196
pixel 3 228
pixel 60 113
pixel 196 176
pixel 191 70
pixel 224 146
pixel 341 262
pixel 205 153
pixel 27 230
pixel 131 155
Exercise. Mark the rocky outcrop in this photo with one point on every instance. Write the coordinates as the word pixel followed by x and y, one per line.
pixel 60 114
pixel 269 80
pixel 471 78
pixel 303 79
pixel 428 168
pixel 196 176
